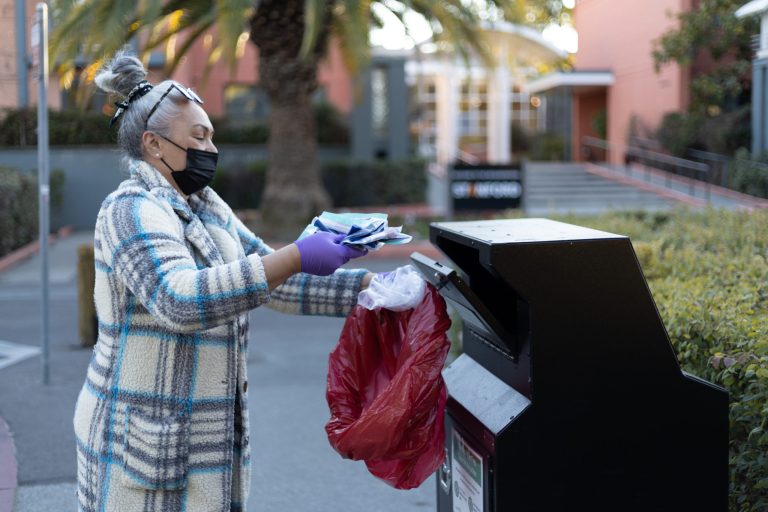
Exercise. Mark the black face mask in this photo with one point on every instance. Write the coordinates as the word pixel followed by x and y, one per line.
pixel 201 166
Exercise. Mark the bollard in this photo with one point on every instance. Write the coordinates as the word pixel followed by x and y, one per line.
pixel 86 309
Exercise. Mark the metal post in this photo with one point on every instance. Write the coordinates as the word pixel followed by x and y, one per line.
pixel 42 163
pixel 21 53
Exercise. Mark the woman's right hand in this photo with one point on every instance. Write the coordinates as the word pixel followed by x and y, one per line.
pixel 322 253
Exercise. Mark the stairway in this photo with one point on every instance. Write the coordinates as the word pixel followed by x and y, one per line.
pixel 562 187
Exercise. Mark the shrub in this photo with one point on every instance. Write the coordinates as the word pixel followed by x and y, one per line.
pixel 332 128
pixel 520 139
pixel 18 128
pixel 18 220
pixel 18 207
pixel 378 182
pixel 350 183
pixel 723 133
pixel 750 176
pixel 257 133
pixel 709 276
pixel 66 127
pixel 241 187
pixel 678 132
pixel 547 146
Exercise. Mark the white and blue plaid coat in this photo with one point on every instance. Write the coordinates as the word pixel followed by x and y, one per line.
pixel 162 419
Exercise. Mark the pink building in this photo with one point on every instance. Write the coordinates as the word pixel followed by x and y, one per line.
pixel 614 83
pixel 222 90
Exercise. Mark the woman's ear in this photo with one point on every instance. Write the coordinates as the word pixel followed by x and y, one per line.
pixel 151 145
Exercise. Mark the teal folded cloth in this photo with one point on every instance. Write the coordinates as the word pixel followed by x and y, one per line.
pixel 363 230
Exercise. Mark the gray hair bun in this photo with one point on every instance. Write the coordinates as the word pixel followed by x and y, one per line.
pixel 120 74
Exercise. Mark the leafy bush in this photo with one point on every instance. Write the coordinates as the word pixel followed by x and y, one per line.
pixel 750 176
pixel 18 128
pixel 378 182
pixel 257 133
pixel 241 187
pixel 547 147
pixel 600 123
pixel 723 133
pixel 709 276
pixel 350 183
pixel 678 132
pixel 520 139
pixel 18 206
pixel 332 128
pixel 66 127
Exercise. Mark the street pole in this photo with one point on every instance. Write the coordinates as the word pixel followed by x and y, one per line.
pixel 42 164
pixel 21 52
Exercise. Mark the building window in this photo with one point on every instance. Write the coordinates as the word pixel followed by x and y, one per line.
pixel 473 118
pixel 424 116
pixel 379 102
pixel 526 110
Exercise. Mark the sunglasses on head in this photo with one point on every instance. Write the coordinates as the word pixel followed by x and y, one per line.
pixel 186 91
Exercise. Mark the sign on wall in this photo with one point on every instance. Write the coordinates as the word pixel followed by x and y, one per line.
pixel 486 186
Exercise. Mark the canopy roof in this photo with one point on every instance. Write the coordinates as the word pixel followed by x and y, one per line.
pixel 520 44
pixel 579 80
pixel 753 7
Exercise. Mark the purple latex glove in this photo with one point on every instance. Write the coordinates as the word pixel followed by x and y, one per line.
pixel 322 253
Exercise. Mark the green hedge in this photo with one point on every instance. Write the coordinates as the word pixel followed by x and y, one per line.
pixel 19 214
pixel 74 127
pixel 18 127
pixel 709 276
pixel 724 133
pixel 749 176
pixel 350 183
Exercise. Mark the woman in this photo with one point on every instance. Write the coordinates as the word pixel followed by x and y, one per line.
pixel 162 419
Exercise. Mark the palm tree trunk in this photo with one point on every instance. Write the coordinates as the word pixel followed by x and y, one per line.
pixel 294 191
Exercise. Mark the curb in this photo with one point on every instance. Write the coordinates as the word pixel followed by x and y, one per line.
pixel 8 472
pixel 31 248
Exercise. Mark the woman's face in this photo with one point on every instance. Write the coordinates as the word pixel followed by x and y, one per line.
pixel 190 129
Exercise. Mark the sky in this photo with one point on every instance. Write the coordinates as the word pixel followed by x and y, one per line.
pixel 393 35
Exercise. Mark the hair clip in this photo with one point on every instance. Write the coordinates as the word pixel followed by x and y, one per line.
pixel 137 92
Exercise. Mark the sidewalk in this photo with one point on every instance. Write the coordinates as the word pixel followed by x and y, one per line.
pixel 294 467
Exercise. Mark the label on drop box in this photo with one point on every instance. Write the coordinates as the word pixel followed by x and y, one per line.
pixel 467 468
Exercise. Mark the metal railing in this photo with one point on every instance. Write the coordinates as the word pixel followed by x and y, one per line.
pixel 719 166
pixel 654 160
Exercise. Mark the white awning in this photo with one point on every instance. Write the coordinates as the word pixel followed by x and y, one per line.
pixel 523 45
pixel 753 7
pixel 576 79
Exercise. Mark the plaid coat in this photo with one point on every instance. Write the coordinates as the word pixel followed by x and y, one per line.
pixel 162 419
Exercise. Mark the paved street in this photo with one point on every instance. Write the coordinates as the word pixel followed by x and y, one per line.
pixel 294 466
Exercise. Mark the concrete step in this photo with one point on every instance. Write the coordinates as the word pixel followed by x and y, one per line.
pixel 569 188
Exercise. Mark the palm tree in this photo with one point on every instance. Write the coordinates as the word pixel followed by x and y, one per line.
pixel 292 37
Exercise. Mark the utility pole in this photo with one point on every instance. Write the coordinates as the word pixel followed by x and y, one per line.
pixel 40 43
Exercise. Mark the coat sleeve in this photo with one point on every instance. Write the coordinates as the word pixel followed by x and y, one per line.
pixel 305 294
pixel 143 245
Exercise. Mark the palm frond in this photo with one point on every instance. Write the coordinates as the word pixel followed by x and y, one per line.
pixel 350 23
pixel 92 29
pixel 314 13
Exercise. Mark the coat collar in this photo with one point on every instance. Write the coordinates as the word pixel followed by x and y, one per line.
pixel 205 202
pixel 202 207
pixel 156 183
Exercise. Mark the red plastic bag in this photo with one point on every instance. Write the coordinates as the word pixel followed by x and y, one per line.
pixel 386 392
